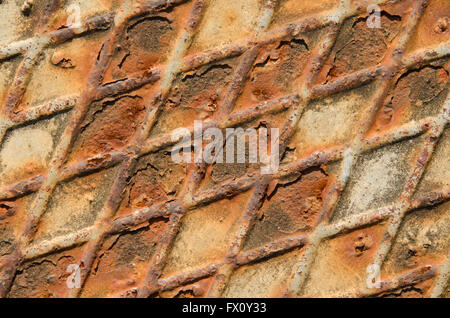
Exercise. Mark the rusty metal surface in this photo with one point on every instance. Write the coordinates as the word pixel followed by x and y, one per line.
pixel 86 177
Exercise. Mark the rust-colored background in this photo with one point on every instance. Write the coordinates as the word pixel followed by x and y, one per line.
pixel 86 176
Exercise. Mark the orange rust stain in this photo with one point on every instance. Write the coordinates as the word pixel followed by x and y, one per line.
pixel 359 46
pixel 358 247
pixel 291 208
pixel 146 42
pixel 194 290
pixel 110 126
pixel 411 94
pixel 155 180
pixel 275 73
pixel 289 10
pixel 124 260
pixel 433 28
pixel 45 277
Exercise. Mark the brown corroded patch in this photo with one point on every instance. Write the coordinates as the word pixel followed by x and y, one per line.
pixel 225 22
pixel 418 93
pixel 109 126
pixel 359 46
pixel 341 266
pixel 274 72
pixel 145 42
pixel 194 290
pixel 195 95
pixel 156 179
pixel 123 261
pixel 292 208
pixel 45 277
